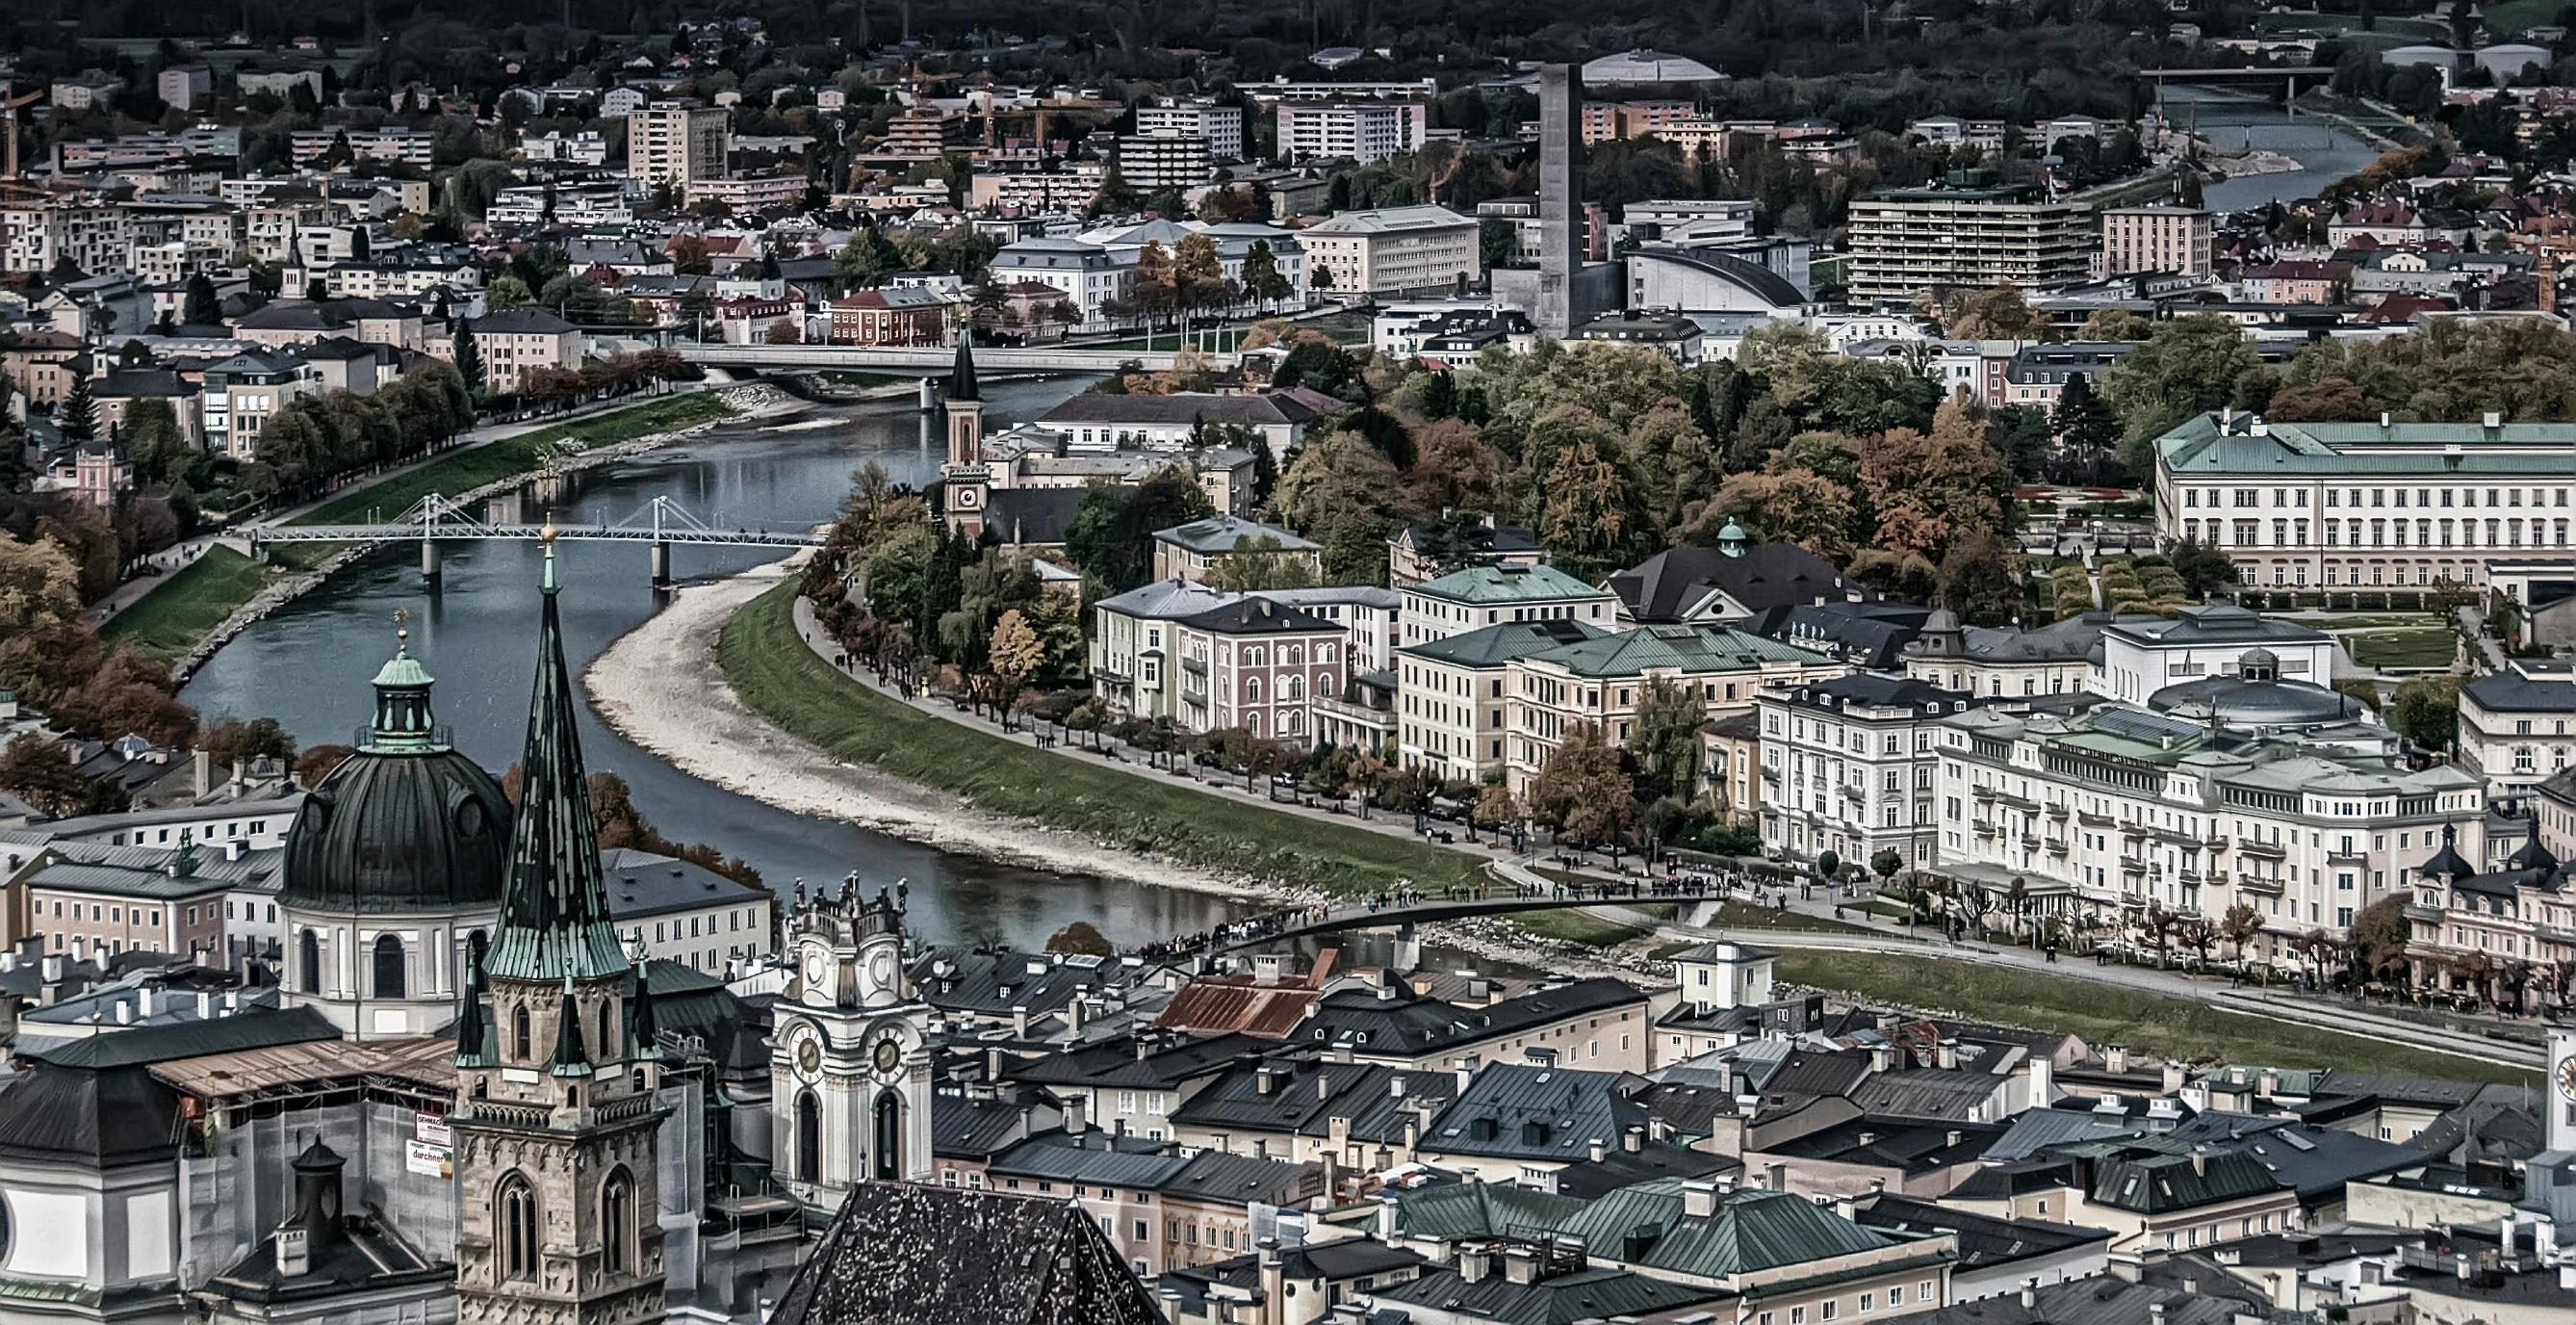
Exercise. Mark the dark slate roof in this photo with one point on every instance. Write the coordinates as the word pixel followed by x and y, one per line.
pixel 643 884
pixel 1301 1097
pixel 1226 533
pixel 1268 408
pixel 2100 1300
pixel 1241 1179
pixel 975 1129
pixel 1093 1157
pixel 1671 582
pixel 1586 1295
pixel 1908 1147
pixel 1034 515
pixel 1523 1111
pixel 1925 1094
pixel 1258 616
pixel 991 984
pixel 2149 1179
pixel 2510 691
pixel 1116 1063
pixel 902 1254
pixel 192 1039
pixel 400 830
pixel 1984 1241
pixel 1864 634
pixel 1393 1027
pixel 1649 1162
pixel 524 321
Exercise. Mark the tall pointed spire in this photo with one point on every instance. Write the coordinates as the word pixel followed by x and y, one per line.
pixel 554 908
pixel 961 379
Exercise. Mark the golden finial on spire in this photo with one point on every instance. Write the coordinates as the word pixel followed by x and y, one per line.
pixel 546 537
pixel 402 629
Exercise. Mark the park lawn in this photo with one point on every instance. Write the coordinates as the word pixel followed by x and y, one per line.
pixel 2421 646
pixel 780 678
pixel 2508 18
pixel 1745 915
pixel 511 456
pixel 168 621
pixel 2363 620
pixel 2150 1023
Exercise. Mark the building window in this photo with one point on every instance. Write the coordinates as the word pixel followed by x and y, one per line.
pixel 616 1218
pixel 308 961
pixel 389 966
pixel 515 1211
pixel 519 1034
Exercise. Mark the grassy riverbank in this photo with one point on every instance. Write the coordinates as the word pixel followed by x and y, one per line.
pixel 167 621
pixel 2147 1023
pixel 774 673
pixel 193 600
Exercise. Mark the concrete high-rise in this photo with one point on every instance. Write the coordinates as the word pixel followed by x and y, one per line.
pixel 674 144
pixel 1560 191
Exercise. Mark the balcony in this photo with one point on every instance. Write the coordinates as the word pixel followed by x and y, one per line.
pixel 2265 850
pixel 2256 883
pixel 1985 793
pixel 2057 846
pixel 2090 820
pixel 2347 858
pixel 1198 665
pixel 2058 812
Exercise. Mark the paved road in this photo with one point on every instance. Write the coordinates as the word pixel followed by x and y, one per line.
pixel 2459 1035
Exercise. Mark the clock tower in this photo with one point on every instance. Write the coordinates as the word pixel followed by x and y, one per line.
pixel 850 1058
pixel 966 480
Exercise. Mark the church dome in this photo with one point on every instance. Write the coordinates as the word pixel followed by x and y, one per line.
pixel 406 824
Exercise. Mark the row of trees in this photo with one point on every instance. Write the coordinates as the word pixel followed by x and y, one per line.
pixel 318 438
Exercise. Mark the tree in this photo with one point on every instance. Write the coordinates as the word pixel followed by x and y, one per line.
pixel 1259 563
pixel 1261 278
pixel 1112 534
pixel 317 761
pixel 2202 569
pixel 1582 791
pixel 469 359
pixel 2086 425
pixel 1664 739
pixel 689 257
pixel 507 291
pixel 1016 656
pixel 1590 516
pixel 1981 580
pixel 1995 313
pixel 233 741
pixel 152 440
pixel 2380 934
pixel 1081 939
pixel 2189 366
pixel 202 307
pixel 2240 926
pixel 45 774
pixel 40 601
pixel 2426 710
pixel 1798 506
pixel 868 258
pixel 2115 324
pixel 77 415
pixel 1198 274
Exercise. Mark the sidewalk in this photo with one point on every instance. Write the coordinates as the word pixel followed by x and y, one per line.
pixel 2462 1035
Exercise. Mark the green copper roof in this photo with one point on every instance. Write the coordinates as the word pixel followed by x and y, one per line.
pixel 554 909
pixel 1496 645
pixel 1507 584
pixel 1689 649
pixel 2414 451
pixel 402 670
pixel 1751 1231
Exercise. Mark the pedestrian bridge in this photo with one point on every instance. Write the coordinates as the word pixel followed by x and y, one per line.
pixel 932 361
pixel 435 519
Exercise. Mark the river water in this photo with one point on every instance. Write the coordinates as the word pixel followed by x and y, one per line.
pixel 308 665
pixel 2229 119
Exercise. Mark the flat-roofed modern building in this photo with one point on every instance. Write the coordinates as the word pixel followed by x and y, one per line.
pixel 1906 242
pixel 2368 506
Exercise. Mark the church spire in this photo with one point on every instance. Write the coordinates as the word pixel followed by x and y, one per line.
pixel 961 379
pixel 554 908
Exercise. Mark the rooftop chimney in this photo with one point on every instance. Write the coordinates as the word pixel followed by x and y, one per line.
pixel 1699 1199
pixel 2030 1294
pixel 1599 1151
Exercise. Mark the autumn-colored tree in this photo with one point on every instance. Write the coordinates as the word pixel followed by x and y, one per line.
pixel 1081 939
pixel 235 741
pixel 317 761
pixel 1997 312
pixel 39 596
pixel 2333 400
pixel 44 773
pixel 1260 562
pixel 1582 791
pixel 1590 518
pixel 1930 490
pixel 1015 655
pixel 1796 507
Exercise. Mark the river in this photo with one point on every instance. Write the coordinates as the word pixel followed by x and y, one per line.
pixel 308 665
pixel 2229 119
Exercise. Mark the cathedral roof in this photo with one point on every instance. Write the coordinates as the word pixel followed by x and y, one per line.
pixel 900 1253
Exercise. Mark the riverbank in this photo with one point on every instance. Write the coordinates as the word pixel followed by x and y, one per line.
pixel 666 687
pixel 184 619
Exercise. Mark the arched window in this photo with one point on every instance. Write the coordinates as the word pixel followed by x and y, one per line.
pixel 1296 722
pixel 1296 654
pixel 1252 657
pixel 809 1138
pixel 889 1147
pixel 1323 653
pixel 389 966
pixel 1252 722
pixel 1252 690
pixel 519 1035
pixel 616 1221
pixel 1296 689
pixel 1324 683
pixel 308 963
pixel 612 1046
pixel 514 1218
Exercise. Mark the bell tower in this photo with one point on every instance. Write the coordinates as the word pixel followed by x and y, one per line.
pixel 557 1120
pixel 849 1062
pixel 966 482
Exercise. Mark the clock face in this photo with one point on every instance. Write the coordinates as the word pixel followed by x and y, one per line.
pixel 2567 1076
pixel 965 496
pixel 809 1056
pixel 889 1055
